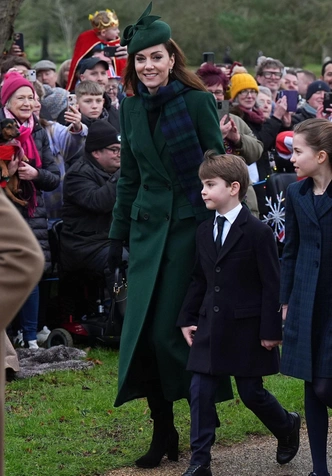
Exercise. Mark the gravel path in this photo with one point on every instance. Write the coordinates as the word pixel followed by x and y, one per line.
pixel 255 457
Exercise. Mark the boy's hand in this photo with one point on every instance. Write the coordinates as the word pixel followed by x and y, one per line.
pixel 270 344
pixel 188 334
pixel 74 116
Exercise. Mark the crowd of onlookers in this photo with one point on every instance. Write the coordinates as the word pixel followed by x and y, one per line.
pixel 67 180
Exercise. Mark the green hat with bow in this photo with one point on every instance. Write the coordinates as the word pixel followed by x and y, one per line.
pixel 147 31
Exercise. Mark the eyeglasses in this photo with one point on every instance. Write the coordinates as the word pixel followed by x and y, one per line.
pixel 112 88
pixel 269 74
pixel 217 92
pixel 245 92
pixel 115 150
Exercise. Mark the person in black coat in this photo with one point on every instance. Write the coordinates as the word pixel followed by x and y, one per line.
pixel 228 335
pixel 38 175
pixel 89 194
pixel 313 106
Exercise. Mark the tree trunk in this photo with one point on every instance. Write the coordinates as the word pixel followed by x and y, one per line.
pixel 8 11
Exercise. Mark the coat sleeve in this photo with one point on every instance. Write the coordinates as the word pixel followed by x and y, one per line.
pixel 205 115
pixel 251 148
pixel 128 183
pixel 66 141
pixel 49 174
pixel 82 189
pixel 21 261
pixel 269 271
pixel 189 313
pixel 292 243
pixel 268 132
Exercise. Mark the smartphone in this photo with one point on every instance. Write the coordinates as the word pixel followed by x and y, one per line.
pixel 208 57
pixel 327 101
pixel 292 99
pixel 19 40
pixel 109 51
pixel 72 101
pixel 223 109
pixel 31 75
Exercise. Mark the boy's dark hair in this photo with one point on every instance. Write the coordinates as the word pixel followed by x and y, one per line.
pixel 88 87
pixel 228 167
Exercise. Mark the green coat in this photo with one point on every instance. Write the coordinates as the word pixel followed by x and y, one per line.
pixel 154 214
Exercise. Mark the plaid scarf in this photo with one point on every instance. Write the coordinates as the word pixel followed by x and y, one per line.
pixel 181 138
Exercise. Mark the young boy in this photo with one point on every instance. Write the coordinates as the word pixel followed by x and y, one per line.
pixel 105 32
pixel 230 317
pixel 90 101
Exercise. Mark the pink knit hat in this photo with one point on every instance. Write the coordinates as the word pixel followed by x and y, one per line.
pixel 13 81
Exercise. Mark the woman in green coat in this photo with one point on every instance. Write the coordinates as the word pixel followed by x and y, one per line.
pixel 165 129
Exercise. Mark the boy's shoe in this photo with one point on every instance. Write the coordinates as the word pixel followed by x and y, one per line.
pixel 43 335
pixel 198 470
pixel 18 340
pixel 32 344
pixel 289 445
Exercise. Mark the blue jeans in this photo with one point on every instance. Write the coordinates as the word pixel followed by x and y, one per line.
pixel 28 316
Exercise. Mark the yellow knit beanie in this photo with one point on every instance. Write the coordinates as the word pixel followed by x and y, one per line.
pixel 242 81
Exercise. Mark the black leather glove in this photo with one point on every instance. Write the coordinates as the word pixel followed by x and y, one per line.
pixel 115 255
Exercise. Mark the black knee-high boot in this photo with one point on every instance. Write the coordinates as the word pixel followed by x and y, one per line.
pixel 165 439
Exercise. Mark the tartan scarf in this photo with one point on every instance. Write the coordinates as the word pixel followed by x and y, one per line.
pixel 181 138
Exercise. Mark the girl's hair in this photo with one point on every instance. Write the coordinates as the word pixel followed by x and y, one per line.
pixel 317 134
pixel 179 72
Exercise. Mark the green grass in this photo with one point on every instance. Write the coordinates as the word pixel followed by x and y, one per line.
pixel 64 423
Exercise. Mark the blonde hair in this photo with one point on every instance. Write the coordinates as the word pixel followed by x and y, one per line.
pixel 88 87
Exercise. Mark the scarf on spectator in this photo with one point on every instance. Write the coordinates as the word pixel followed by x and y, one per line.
pixel 181 138
pixel 26 139
pixel 309 109
pixel 254 115
pixel 31 152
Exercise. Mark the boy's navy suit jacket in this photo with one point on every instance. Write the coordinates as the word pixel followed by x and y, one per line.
pixel 233 298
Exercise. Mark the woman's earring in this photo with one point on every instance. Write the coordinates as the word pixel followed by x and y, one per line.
pixel 171 71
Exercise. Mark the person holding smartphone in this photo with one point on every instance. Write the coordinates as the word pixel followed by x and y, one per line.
pixel 238 137
pixel 244 92
pixel 104 33
pixel 314 104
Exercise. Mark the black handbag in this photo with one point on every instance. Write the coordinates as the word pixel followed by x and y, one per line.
pixel 118 305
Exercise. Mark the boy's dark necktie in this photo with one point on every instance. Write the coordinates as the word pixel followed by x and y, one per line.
pixel 220 221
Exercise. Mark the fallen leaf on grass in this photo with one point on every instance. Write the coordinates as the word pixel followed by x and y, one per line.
pixel 95 361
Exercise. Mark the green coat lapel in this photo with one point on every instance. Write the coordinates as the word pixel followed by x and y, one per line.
pixel 151 148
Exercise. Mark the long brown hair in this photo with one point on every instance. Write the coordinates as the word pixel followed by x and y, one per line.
pixel 180 70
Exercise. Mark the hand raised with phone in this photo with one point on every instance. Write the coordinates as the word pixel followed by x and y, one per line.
pixel 74 116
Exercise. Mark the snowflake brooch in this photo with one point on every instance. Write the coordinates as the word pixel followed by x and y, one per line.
pixel 276 217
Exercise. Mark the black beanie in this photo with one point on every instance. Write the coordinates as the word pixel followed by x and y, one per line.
pixel 101 134
pixel 315 87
